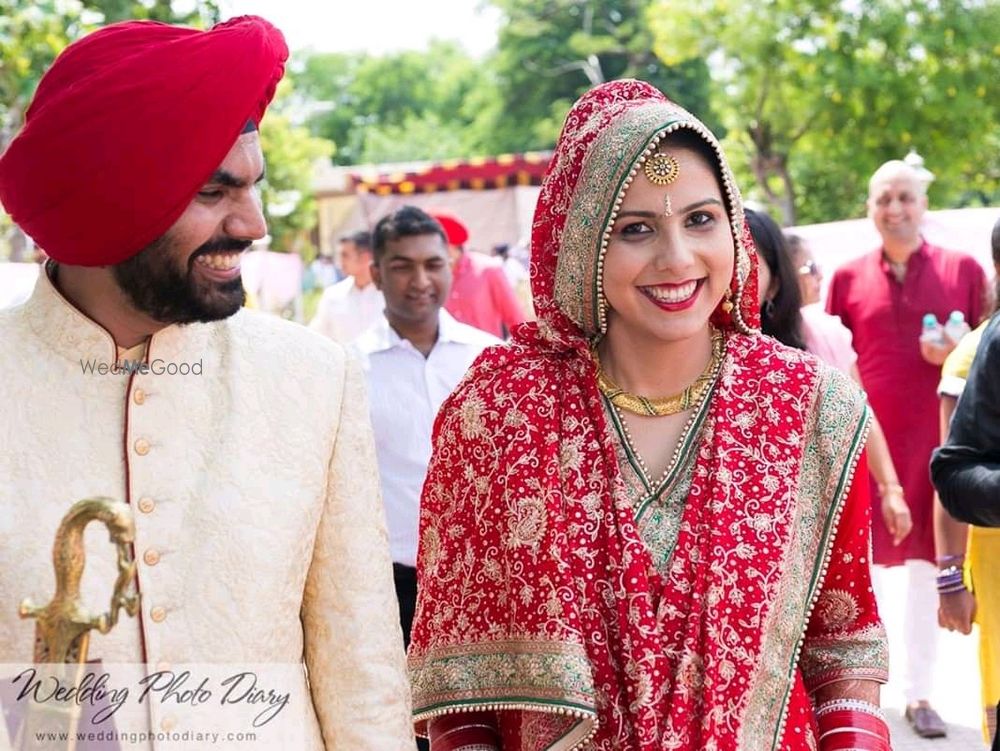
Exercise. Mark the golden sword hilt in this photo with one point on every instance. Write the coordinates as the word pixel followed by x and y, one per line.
pixel 63 630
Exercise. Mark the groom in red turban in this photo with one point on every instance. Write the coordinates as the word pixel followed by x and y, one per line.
pixel 241 441
pixel 132 135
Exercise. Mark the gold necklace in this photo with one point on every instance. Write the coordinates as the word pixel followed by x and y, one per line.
pixel 668 405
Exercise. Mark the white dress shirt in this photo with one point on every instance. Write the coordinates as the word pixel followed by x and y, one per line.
pixel 345 310
pixel 405 392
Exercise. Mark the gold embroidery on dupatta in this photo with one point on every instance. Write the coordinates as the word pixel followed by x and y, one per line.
pixel 837 609
pixel 517 669
pixel 609 162
pixel 551 679
pixel 526 526
pixel 833 446
pixel 862 651
pixel 608 170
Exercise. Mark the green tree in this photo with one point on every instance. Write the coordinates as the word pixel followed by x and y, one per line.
pixel 286 192
pixel 31 35
pixel 199 13
pixel 815 95
pixel 443 103
pixel 363 103
pixel 551 51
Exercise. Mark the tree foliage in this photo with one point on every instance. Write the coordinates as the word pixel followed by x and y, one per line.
pixel 552 51
pixel 443 103
pixel 286 192
pixel 389 108
pixel 31 35
pixel 817 94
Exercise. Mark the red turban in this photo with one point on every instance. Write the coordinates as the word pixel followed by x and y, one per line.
pixel 454 230
pixel 127 125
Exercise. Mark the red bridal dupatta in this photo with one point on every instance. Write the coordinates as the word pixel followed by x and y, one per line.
pixel 538 598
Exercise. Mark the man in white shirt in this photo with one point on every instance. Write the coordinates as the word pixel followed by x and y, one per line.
pixel 413 357
pixel 353 304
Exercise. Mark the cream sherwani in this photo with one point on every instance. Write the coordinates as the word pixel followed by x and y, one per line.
pixel 259 530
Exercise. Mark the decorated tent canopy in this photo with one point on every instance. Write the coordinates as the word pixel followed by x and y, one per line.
pixel 481 173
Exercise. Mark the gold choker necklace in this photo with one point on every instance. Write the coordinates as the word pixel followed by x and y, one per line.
pixel 668 405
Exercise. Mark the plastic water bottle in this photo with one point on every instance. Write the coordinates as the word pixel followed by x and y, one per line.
pixel 956 327
pixel 932 332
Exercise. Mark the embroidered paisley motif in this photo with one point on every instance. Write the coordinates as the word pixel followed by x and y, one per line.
pixel 837 609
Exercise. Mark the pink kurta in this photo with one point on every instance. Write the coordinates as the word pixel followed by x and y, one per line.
pixel 482 297
pixel 885 319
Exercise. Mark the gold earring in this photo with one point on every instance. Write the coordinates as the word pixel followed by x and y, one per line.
pixel 661 169
pixel 727 302
pixel 668 210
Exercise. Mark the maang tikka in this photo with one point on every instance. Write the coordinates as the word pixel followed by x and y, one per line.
pixel 661 169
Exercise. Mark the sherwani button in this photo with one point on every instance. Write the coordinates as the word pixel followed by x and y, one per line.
pixel 139 396
pixel 158 614
pixel 151 557
pixel 162 666
pixel 146 504
pixel 168 723
pixel 142 447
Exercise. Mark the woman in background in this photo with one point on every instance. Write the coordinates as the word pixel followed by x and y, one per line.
pixel 789 297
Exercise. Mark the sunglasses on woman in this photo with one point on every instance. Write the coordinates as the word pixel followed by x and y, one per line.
pixel 809 269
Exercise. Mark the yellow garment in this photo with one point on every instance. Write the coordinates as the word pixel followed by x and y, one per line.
pixel 981 572
pixel 956 368
pixel 983 577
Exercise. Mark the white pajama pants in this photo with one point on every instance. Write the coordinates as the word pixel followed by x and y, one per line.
pixel 916 622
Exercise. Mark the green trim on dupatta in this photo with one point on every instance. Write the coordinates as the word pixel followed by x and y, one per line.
pixel 835 440
pixel 529 675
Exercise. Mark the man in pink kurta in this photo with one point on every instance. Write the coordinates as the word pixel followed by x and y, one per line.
pixel 882 298
pixel 480 295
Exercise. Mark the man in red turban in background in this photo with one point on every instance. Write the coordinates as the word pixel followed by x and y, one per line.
pixel 480 294
pixel 240 441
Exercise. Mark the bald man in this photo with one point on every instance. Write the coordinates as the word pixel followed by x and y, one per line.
pixel 882 298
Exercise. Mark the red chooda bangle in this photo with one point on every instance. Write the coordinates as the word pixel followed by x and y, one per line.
pixel 848 729
pixel 467 730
